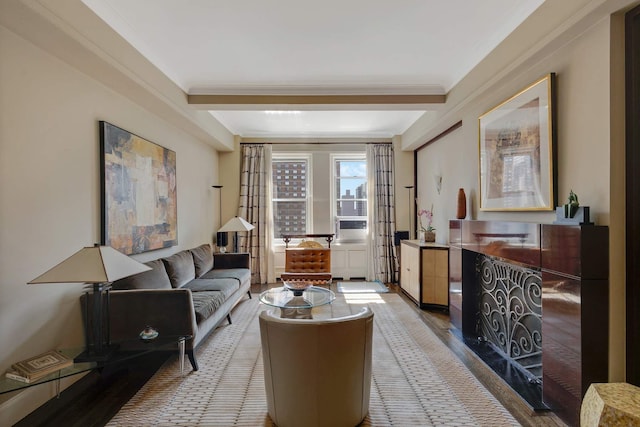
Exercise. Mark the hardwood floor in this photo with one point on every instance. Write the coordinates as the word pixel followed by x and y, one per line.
pixel 438 322
pixel 96 398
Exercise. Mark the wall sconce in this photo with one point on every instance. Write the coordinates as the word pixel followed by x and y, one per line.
pixel 438 181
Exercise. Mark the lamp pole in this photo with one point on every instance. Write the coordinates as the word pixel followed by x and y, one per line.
pixel 219 187
pixel 409 187
pixel 219 237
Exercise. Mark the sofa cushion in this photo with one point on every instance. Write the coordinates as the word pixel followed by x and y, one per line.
pixel 202 259
pixel 180 268
pixel 240 274
pixel 156 278
pixel 226 286
pixel 205 303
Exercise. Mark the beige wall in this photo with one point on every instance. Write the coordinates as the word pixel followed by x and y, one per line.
pixel 584 146
pixel 50 196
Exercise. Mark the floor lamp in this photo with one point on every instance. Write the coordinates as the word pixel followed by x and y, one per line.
pixel 99 266
pixel 236 224
pixel 221 236
pixel 409 187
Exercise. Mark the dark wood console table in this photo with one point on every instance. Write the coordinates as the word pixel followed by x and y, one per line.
pixel 570 265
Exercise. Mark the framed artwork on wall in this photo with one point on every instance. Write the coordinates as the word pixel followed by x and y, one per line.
pixel 138 192
pixel 517 147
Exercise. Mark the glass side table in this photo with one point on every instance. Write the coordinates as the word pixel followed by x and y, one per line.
pixel 126 350
pixel 297 304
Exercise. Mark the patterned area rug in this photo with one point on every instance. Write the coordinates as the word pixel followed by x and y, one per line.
pixel 417 380
pixel 361 287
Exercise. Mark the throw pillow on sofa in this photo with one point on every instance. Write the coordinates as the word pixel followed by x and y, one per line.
pixel 156 278
pixel 180 268
pixel 202 259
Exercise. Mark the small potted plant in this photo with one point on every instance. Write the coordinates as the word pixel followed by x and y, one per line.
pixel 427 233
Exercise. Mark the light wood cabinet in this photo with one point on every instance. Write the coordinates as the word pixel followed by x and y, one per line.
pixel 424 273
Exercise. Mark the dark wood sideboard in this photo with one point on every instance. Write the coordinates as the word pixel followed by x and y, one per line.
pixel 572 262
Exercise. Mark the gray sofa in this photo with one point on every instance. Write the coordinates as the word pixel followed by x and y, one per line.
pixel 188 293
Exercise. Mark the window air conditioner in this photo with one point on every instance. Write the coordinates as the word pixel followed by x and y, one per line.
pixel 351 229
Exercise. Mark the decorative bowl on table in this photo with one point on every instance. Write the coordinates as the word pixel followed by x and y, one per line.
pixel 297 286
pixel 149 334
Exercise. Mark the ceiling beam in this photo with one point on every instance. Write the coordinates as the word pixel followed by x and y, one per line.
pixel 215 101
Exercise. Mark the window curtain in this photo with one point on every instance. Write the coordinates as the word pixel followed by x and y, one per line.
pixel 383 263
pixel 254 206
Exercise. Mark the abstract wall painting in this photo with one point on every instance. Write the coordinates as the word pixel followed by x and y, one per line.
pixel 139 192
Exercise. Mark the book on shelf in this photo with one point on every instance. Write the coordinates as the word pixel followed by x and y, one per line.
pixel 39 366
pixel 12 374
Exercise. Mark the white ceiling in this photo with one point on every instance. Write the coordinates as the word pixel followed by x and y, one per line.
pixel 321 124
pixel 338 47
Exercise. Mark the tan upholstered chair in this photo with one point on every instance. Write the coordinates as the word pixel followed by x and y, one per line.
pixel 311 264
pixel 317 372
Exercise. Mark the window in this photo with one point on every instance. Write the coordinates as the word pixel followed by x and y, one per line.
pixel 350 194
pixel 350 187
pixel 290 194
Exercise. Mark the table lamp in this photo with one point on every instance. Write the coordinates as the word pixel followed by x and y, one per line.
pixel 236 224
pixel 99 266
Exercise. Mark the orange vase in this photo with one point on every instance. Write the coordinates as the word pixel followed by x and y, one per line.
pixel 462 204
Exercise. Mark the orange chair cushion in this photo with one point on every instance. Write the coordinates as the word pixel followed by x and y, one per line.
pixel 307 260
pixel 307 264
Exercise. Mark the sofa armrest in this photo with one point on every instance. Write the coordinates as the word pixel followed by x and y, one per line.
pixel 231 260
pixel 169 311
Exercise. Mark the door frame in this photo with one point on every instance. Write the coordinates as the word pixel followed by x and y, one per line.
pixel 632 146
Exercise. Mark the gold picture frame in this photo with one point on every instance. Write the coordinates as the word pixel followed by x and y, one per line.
pixel 517 151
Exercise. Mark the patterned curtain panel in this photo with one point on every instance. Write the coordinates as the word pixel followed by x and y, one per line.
pixel 254 206
pixel 383 263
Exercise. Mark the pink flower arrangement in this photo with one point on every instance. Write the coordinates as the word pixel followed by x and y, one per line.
pixel 428 214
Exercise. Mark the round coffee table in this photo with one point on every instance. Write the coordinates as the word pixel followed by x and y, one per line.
pixel 297 304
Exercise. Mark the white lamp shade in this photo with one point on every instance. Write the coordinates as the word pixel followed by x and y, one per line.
pixel 93 264
pixel 237 224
